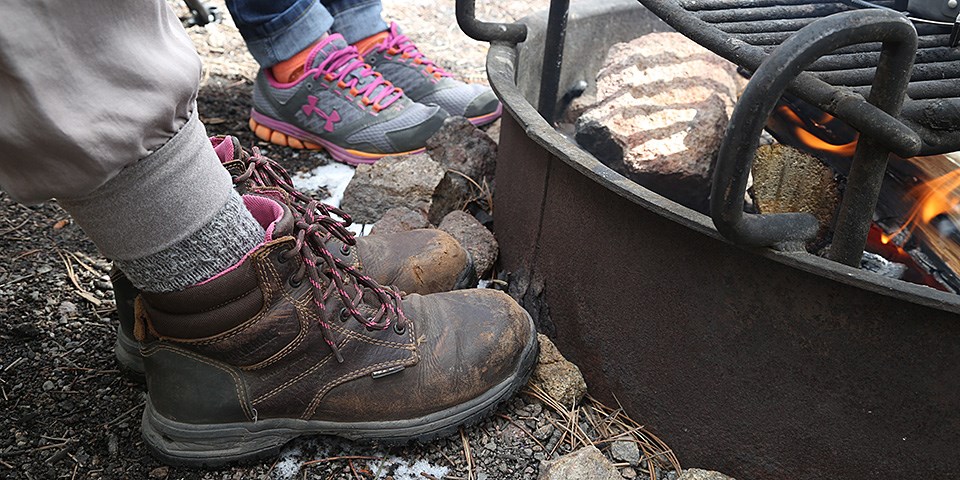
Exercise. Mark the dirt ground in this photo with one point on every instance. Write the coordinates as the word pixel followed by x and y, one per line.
pixel 66 412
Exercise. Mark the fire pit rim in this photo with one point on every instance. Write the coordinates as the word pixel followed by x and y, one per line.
pixel 501 69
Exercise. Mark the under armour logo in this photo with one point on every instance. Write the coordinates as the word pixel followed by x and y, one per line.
pixel 331 118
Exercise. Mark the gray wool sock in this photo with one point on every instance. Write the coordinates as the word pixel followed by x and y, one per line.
pixel 215 247
pixel 171 219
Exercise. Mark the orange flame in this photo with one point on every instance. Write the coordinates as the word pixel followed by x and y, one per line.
pixel 814 142
pixel 936 197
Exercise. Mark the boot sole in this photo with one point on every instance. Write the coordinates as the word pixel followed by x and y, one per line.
pixel 468 277
pixel 284 134
pixel 181 444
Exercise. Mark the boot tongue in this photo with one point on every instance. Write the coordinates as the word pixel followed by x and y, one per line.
pixel 324 48
pixel 272 214
pixel 226 147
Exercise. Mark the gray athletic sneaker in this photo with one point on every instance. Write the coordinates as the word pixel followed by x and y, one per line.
pixel 398 59
pixel 340 104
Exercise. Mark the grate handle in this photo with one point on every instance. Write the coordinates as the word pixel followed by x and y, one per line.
pixel 768 83
pixel 487 31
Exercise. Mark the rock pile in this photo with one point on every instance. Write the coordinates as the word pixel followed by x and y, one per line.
pixel 431 188
pixel 457 167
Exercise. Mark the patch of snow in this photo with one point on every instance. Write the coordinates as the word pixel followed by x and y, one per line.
pixel 289 464
pixel 360 229
pixel 294 456
pixel 333 176
pixel 484 283
pixel 405 470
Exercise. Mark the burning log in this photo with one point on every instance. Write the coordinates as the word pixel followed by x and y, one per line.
pixel 788 180
pixel 918 212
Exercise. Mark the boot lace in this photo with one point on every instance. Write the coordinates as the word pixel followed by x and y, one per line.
pixel 314 225
pixel 265 172
pixel 399 44
pixel 349 70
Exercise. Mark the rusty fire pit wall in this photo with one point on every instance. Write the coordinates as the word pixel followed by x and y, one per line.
pixel 758 363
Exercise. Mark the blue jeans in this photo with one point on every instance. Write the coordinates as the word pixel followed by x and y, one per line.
pixel 276 30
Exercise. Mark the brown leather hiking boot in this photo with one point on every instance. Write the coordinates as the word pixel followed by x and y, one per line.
pixel 419 261
pixel 295 341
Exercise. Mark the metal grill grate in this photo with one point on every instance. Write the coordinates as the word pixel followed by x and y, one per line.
pixel 745 31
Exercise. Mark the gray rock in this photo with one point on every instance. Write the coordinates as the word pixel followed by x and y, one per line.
pixel 493 131
pixel 159 472
pixel 47 386
pixel 556 376
pixel 625 451
pixel 474 237
pixel 663 103
pixel 584 464
pixel 628 472
pixel 67 309
pixel 453 193
pixel 404 181
pixel 469 157
pixel 579 105
pixel 543 432
pixel 400 219
pixel 112 445
pixel 698 474
pixel 460 146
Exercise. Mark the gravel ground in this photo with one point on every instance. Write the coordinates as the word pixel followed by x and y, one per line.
pixel 67 413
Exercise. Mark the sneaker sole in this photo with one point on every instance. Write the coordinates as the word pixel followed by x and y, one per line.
pixel 181 444
pixel 282 133
pixel 482 120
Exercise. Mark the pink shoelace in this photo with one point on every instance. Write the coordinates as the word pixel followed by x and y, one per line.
pixel 399 44
pixel 339 64
pixel 313 226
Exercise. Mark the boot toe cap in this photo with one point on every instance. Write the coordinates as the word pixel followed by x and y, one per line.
pixel 432 260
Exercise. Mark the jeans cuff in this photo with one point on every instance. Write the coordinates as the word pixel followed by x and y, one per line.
pixel 359 21
pixel 292 38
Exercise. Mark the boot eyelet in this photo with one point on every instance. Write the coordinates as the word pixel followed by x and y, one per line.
pixel 345 249
pixel 398 329
pixel 295 283
pixel 344 315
